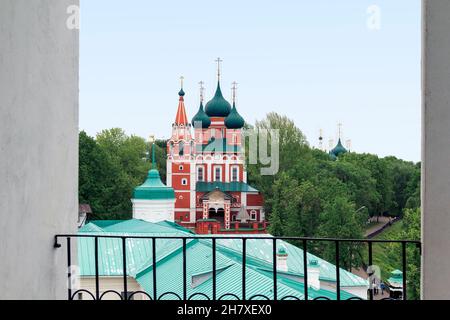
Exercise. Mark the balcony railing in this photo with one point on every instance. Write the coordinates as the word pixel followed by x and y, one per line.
pixel 301 242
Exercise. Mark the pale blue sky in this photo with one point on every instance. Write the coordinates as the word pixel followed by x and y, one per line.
pixel 315 61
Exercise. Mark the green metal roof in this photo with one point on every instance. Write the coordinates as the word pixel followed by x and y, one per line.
pixel 224 186
pixel 153 188
pixel 139 251
pixel 228 277
pixel 217 145
pixel 218 106
pixel 174 225
pixel 260 253
pixel 199 262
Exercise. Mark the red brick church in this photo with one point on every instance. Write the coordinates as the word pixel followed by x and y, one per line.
pixel 206 188
pixel 206 169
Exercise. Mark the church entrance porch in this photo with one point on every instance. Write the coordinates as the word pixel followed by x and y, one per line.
pixel 217 206
pixel 217 214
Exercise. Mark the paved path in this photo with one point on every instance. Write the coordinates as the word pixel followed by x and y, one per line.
pixel 384 223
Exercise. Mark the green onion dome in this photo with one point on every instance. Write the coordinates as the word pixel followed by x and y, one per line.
pixel 181 92
pixel 234 119
pixel 202 117
pixel 338 150
pixel 218 106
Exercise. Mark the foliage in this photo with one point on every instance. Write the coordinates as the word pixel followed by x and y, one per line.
pixel 313 195
pixel 110 167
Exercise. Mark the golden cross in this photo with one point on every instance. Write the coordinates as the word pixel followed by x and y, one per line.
pixel 218 60
pixel 339 129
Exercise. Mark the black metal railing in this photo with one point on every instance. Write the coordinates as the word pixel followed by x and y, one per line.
pixel 303 241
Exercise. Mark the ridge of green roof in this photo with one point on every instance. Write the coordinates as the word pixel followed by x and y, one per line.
pixel 171 224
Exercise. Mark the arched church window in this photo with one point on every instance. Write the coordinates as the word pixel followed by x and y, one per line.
pixel 181 145
pixel 234 173
pixel 217 173
pixel 200 173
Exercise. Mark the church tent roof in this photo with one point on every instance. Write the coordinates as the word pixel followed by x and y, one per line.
pixel 153 188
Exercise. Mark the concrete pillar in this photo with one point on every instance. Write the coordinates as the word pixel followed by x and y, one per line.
pixel 436 150
pixel 38 144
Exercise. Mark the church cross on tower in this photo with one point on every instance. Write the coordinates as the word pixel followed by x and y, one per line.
pixel 202 89
pixel 181 81
pixel 339 130
pixel 218 60
pixel 233 91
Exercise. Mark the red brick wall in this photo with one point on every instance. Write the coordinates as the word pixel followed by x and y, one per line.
pixel 255 200
pixel 184 202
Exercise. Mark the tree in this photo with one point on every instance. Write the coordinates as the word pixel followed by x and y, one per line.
pixel 306 204
pixel 111 166
pixel 339 220
pixel 92 173
pixel 379 171
pixel 411 231
pixel 101 181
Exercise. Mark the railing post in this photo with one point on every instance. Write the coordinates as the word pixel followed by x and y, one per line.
pixel 69 270
pixel 97 284
pixel 124 259
pixel 305 269
pixel 338 275
pixel 370 266
pixel 184 270
pixel 274 258
pixel 404 269
pixel 155 297
pixel 244 262
pixel 214 268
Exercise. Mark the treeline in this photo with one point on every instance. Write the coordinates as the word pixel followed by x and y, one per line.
pixel 313 195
